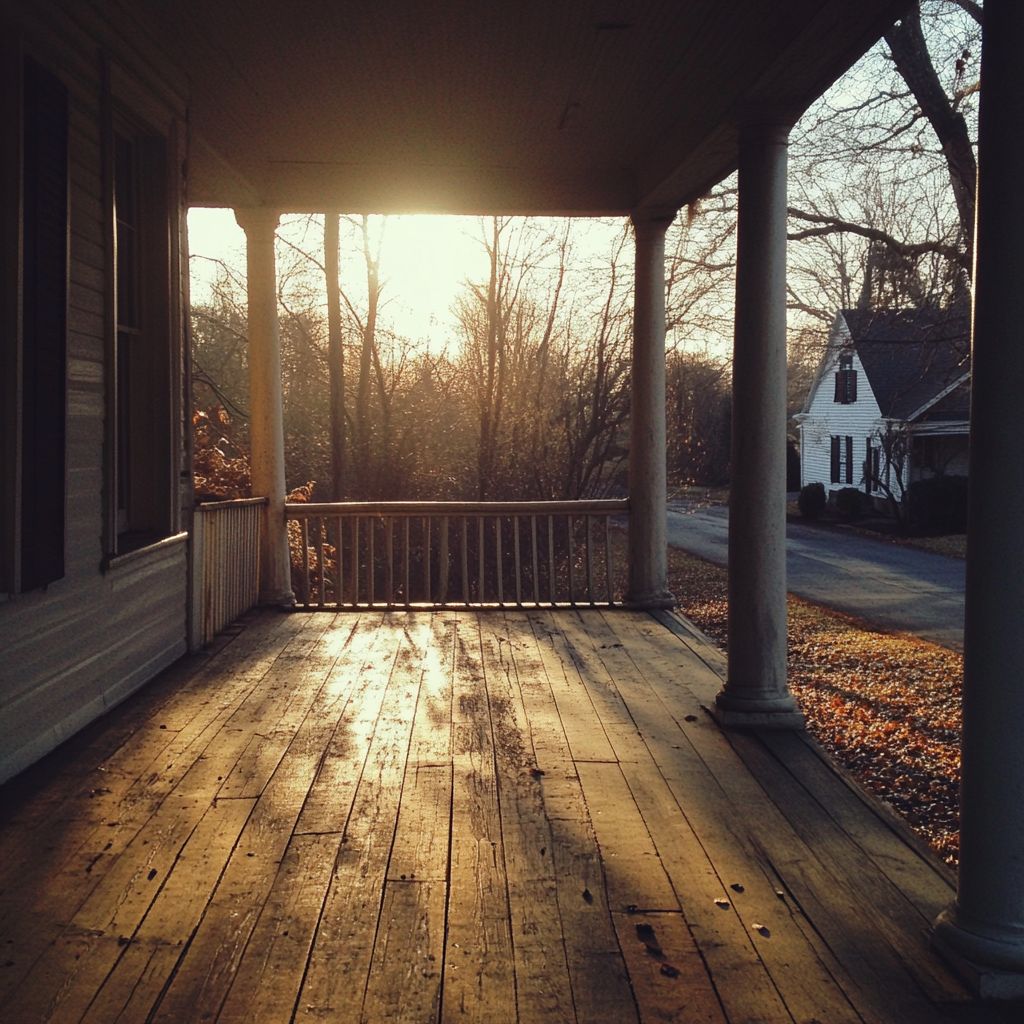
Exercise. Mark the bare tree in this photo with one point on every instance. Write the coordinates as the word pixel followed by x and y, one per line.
pixel 335 353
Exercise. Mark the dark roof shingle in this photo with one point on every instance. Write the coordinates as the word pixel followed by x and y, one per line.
pixel 910 355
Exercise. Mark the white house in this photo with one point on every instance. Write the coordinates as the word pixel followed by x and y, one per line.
pixel 890 401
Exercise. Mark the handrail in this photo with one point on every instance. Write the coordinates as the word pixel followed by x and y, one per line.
pixel 603 506
pixel 452 553
pixel 231 503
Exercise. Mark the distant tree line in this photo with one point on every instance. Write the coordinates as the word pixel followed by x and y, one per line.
pixel 529 400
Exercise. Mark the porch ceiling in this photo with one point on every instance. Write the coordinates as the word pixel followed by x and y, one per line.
pixel 514 106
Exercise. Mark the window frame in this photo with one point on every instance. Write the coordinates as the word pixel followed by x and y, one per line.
pixel 846 380
pixel 140 452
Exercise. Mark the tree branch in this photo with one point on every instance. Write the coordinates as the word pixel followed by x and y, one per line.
pixel 835 225
pixel 972 8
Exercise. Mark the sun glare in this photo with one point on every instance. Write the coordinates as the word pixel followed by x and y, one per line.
pixel 425 260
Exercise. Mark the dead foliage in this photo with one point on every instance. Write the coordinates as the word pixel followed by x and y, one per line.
pixel 885 705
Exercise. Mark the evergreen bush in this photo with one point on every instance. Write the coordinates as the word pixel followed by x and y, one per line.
pixel 849 502
pixel 812 500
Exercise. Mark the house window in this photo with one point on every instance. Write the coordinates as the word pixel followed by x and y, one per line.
pixel 846 380
pixel 33 361
pixel 842 460
pixel 872 464
pixel 141 368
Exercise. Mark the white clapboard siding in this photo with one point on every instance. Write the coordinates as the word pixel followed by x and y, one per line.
pixel 826 418
pixel 72 650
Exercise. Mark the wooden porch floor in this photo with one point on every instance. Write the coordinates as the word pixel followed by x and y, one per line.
pixel 480 816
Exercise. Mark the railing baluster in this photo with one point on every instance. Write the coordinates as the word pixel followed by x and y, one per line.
pixel 442 579
pixel 391 559
pixel 498 559
pixel 355 561
pixel 590 559
pixel 426 555
pixel 610 581
pixel 533 543
pixel 405 528
pixel 569 559
pixel 338 548
pixel 323 566
pixel 465 560
pixel 480 558
pixel 552 591
pixel 371 559
pixel 305 563
pixel 519 567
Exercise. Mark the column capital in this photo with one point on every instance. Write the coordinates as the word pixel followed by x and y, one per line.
pixel 650 222
pixel 257 220
pixel 764 130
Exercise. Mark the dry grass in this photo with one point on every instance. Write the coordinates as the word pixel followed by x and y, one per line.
pixel 887 706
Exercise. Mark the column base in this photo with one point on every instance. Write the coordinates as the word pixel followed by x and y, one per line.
pixel 984 981
pixel 285 601
pixel 992 965
pixel 660 599
pixel 779 713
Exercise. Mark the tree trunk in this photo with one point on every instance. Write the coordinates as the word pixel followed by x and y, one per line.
pixel 335 355
pixel 366 353
pixel 910 53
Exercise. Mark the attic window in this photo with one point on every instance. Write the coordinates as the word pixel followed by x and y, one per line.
pixel 846 380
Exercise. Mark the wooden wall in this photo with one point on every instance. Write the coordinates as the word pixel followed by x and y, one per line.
pixel 73 649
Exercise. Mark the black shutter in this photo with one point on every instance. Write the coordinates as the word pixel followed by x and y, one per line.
pixel 849 459
pixel 840 395
pixel 44 326
pixel 851 388
pixel 835 460
pixel 869 467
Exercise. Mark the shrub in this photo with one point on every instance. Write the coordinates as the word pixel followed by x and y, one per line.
pixel 812 501
pixel 849 502
pixel 939 503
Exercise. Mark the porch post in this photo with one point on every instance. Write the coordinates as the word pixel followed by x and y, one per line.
pixel 755 694
pixel 648 490
pixel 983 931
pixel 265 402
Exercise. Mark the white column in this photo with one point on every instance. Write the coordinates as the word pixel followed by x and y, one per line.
pixel 265 402
pixel 755 694
pixel 648 490
pixel 985 926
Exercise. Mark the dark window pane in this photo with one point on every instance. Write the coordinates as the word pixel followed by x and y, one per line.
pixel 44 326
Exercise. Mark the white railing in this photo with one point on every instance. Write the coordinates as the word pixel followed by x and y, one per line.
pixel 442 554
pixel 225 564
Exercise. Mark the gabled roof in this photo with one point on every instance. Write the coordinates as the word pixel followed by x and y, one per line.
pixel 912 357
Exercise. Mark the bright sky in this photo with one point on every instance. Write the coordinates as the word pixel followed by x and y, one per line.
pixel 424 261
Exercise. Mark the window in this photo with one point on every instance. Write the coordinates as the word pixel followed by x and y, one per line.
pixel 872 460
pixel 34 395
pixel 846 380
pixel 141 445
pixel 842 460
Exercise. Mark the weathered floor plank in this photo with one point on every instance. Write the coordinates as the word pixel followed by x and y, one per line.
pixel 507 816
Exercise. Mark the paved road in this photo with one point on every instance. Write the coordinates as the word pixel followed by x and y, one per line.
pixel 885 584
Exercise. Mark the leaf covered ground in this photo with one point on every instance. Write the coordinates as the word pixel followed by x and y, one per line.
pixel 887 706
